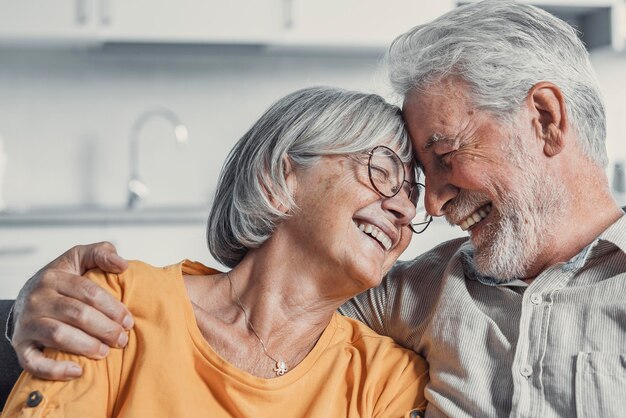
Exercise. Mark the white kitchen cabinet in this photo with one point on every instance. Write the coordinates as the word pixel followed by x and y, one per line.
pixel 322 23
pixel 28 241
pixel 600 23
pixel 164 21
pixel 24 250
pixel 48 21
pixel 279 23
pixel 354 23
pixel 193 21
pixel 161 245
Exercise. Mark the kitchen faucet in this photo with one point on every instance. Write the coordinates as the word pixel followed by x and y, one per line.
pixel 137 189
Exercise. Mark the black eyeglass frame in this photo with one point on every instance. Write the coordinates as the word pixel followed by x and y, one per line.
pixel 418 227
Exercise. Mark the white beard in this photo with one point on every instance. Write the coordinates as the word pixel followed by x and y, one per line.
pixel 508 246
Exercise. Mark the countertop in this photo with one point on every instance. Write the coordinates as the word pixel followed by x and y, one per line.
pixel 98 216
pixel 169 216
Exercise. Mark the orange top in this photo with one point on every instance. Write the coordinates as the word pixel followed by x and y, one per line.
pixel 169 370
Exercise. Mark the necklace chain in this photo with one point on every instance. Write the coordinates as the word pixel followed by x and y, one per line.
pixel 280 367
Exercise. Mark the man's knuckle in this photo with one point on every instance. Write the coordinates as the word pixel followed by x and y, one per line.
pixel 89 290
pixel 102 251
pixel 106 245
pixel 111 333
pixel 30 328
pixel 76 248
pixel 26 363
pixel 48 278
pixel 27 360
pixel 31 300
pixel 56 333
pixel 76 311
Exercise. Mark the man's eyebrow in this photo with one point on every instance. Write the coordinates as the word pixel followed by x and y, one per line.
pixel 434 138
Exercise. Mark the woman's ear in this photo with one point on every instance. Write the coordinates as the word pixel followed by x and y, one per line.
pixel 290 175
pixel 549 116
pixel 279 203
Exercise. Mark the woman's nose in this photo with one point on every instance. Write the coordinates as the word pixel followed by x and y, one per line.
pixel 401 207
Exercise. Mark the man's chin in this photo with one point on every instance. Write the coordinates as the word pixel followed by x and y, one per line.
pixel 504 270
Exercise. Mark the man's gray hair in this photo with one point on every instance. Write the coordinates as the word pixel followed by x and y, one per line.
pixel 501 49
pixel 302 126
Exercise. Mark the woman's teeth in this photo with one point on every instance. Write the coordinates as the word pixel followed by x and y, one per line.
pixel 377 234
pixel 475 217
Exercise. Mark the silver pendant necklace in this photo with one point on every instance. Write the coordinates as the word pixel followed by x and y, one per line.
pixel 280 367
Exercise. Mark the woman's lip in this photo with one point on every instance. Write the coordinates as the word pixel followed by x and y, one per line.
pixel 374 233
pixel 380 245
pixel 393 235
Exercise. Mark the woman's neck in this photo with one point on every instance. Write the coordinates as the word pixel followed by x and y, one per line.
pixel 274 307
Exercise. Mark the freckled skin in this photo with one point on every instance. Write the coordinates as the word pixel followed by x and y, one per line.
pixel 329 196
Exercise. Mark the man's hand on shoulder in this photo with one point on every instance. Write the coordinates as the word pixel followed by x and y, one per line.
pixel 58 308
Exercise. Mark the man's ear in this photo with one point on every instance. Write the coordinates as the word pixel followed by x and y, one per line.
pixel 549 117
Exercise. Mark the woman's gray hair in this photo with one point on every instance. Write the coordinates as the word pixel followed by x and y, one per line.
pixel 501 49
pixel 302 126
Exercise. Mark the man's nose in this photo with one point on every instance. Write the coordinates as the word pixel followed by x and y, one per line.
pixel 438 193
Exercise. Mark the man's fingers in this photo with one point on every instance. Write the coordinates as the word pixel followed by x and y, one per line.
pixel 93 297
pixel 32 360
pixel 91 321
pixel 102 255
pixel 55 334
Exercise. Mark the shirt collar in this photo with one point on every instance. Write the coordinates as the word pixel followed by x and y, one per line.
pixel 613 236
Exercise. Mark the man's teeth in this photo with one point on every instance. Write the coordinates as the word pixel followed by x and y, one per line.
pixel 376 233
pixel 475 217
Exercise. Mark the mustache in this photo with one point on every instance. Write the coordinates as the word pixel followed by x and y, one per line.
pixel 463 205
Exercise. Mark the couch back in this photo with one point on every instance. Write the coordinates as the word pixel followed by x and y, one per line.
pixel 9 367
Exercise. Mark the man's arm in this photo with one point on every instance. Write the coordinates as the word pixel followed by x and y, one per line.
pixel 58 308
pixel 369 307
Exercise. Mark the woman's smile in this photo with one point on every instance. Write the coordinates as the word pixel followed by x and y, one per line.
pixel 376 233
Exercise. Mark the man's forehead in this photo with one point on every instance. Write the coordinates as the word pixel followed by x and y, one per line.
pixel 449 95
pixel 440 123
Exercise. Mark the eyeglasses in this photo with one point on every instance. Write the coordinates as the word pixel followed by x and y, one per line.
pixel 387 175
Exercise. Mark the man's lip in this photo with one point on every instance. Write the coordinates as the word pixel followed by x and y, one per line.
pixel 479 214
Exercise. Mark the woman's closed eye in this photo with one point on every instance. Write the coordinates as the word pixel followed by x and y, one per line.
pixel 379 173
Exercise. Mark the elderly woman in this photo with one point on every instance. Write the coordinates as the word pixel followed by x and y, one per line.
pixel 313 206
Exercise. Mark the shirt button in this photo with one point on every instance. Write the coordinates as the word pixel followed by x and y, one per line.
pixel 34 399
pixel 536 298
pixel 526 371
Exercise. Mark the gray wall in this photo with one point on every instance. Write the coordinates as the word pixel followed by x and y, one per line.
pixel 65 116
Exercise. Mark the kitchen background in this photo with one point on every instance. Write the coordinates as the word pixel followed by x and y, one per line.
pixel 75 76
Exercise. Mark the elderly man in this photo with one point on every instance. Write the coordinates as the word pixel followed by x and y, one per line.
pixel 527 317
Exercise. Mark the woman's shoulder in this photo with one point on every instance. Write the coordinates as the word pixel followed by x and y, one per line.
pixel 369 343
pixel 141 280
pixel 395 375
